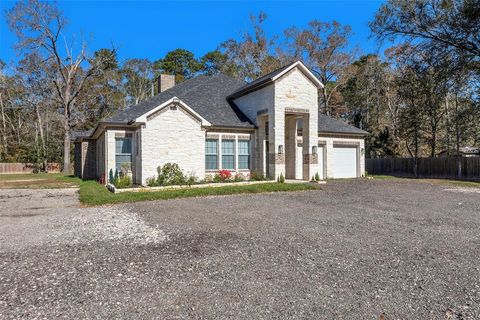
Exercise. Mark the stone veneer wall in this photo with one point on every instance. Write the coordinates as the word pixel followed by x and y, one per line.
pixel 85 159
pixel 175 136
pixel 294 92
pixel 255 102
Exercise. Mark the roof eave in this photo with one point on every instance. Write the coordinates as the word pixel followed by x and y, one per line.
pixel 223 127
pixel 247 90
pixel 360 134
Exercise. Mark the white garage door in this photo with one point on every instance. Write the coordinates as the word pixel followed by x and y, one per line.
pixel 344 162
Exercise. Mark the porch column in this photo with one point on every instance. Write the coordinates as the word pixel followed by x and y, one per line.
pixel 260 163
pixel 310 146
pixel 276 143
pixel 290 146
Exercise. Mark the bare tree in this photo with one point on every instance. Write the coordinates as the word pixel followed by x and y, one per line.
pixel 3 88
pixel 39 26
pixel 252 56
pixel 323 47
pixel 138 77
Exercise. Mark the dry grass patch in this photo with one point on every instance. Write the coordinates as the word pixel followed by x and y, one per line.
pixel 37 181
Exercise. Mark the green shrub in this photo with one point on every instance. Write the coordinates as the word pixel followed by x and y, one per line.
pixel 239 177
pixel 217 178
pixel 151 182
pixel 281 179
pixel 170 174
pixel 317 177
pixel 111 179
pixel 123 182
pixel 257 177
pixel 192 179
pixel 115 178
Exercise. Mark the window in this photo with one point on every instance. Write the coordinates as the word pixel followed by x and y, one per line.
pixel 123 153
pixel 211 154
pixel 243 154
pixel 228 154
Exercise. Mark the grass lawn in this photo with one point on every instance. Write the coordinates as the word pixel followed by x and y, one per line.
pixel 448 182
pixel 92 193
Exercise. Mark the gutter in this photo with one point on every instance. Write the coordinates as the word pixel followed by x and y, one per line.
pixel 345 133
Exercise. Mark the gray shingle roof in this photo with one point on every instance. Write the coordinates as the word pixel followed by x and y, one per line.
pixel 262 80
pixel 328 124
pixel 208 96
pixel 74 135
pixel 204 94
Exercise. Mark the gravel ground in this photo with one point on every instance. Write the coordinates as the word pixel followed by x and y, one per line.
pixel 363 249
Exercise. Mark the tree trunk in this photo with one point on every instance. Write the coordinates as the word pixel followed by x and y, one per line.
pixel 42 139
pixel 66 149
pixel 433 143
pixel 447 125
pixel 325 103
pixel 457 138
pixel 4 150
pixel 416 137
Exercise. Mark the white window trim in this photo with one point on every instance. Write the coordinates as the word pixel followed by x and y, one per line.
pixel 210 154
pixel 235 146
pixel 219 138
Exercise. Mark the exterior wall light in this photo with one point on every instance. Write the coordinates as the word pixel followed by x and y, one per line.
pixel 314 150
pixel 280 149
pixel 362 151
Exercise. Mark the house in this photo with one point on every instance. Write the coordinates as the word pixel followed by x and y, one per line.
pixel 271 126
pixel 462 152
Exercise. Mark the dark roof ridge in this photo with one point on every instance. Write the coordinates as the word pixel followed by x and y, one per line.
pixel 273 76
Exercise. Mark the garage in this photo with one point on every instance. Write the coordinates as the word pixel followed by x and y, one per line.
pixel 344 162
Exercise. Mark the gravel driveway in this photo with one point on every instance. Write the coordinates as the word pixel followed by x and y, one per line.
pixel 363 249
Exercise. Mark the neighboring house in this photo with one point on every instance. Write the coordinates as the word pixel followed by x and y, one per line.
pixel 271 126
pixel 462 152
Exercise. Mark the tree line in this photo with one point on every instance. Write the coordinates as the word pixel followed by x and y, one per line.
pixel 420 97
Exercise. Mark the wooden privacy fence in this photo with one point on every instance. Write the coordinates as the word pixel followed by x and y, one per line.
pixel 466 168
pixel 26 167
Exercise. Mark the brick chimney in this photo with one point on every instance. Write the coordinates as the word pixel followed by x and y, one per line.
pixel 165 82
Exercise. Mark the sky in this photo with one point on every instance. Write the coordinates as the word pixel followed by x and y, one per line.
pixel 149 29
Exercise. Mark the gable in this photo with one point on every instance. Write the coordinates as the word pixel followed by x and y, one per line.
pixel 173 104
pixel 295 91
pixel 272 77
pixel 172 118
